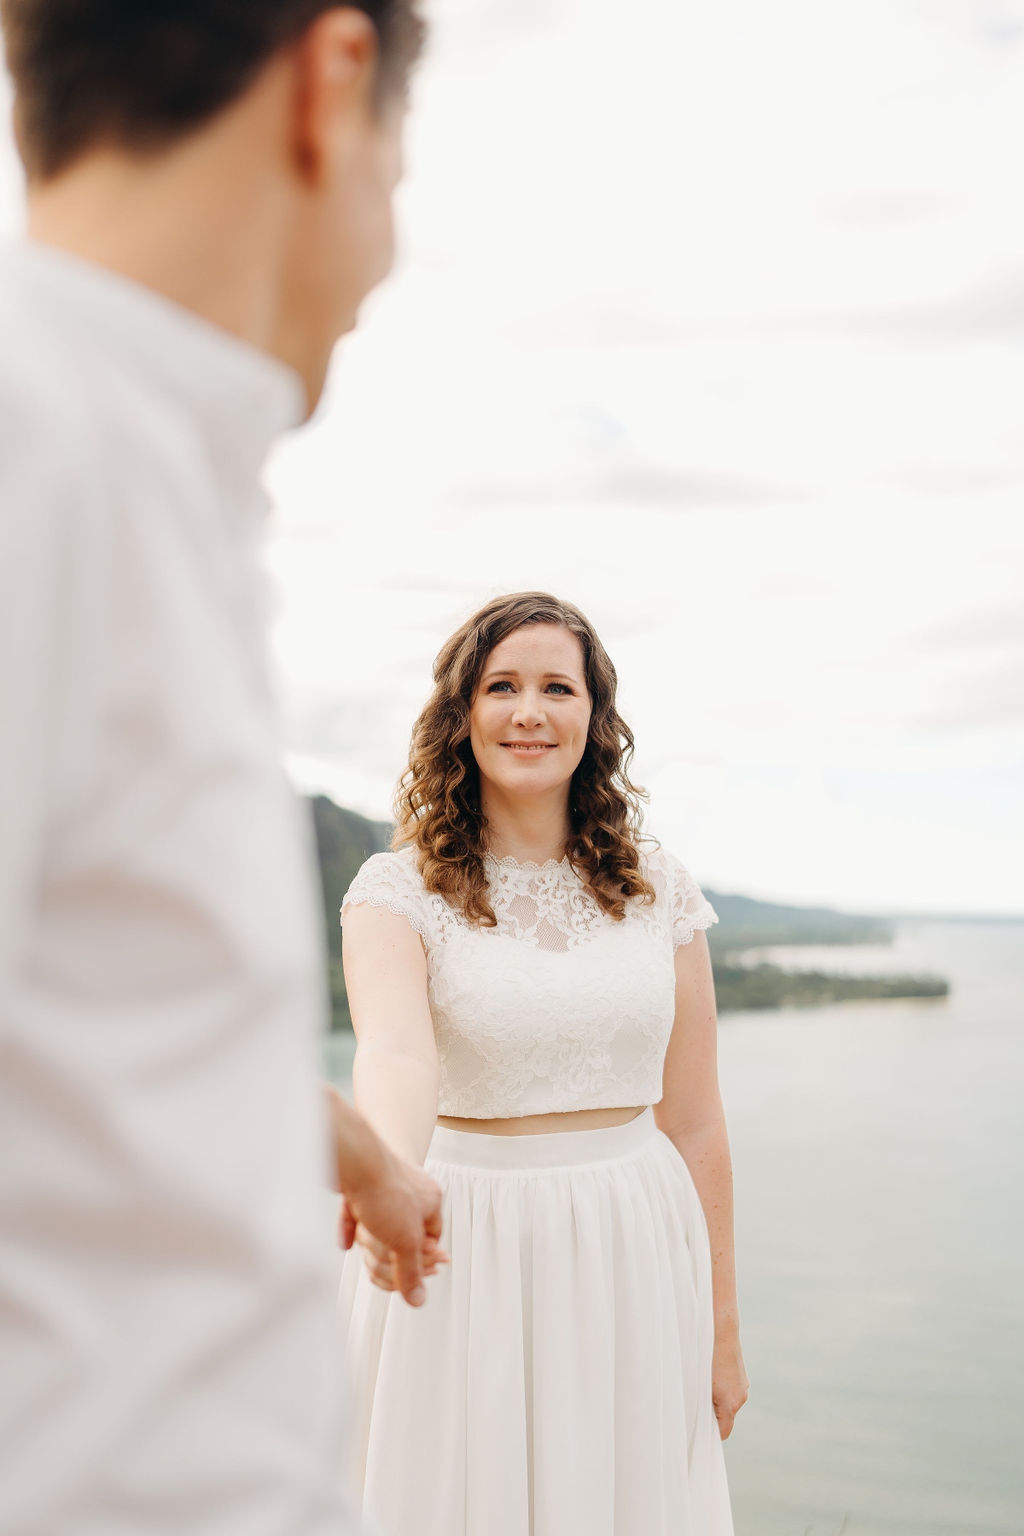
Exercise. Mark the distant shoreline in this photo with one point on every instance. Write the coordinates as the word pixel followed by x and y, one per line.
pixel 746 924
pixel 739 988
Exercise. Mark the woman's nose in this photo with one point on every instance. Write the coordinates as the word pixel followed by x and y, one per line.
pixel 529 709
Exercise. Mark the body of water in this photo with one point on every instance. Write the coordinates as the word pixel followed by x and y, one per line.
pixel 878 1158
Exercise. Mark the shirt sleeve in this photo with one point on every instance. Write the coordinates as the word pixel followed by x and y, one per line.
pixel 690 908
pixel 391 880
pixel 45 595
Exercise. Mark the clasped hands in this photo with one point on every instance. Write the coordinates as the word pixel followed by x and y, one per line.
pixel 396 1220
pixel 390 1206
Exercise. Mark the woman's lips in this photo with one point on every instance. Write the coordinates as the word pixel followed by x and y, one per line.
pixel 525 748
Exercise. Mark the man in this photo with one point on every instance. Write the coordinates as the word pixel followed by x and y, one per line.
pixel 209 188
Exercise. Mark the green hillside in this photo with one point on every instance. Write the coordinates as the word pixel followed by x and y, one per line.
pixel 745 924
pixel 345 839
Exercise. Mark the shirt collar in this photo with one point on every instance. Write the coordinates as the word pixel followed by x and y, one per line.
pixel 241 397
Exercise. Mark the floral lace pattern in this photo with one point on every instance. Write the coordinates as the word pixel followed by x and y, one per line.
pixel 560 1007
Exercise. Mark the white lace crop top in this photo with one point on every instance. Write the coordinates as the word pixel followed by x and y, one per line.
pixel 560 1007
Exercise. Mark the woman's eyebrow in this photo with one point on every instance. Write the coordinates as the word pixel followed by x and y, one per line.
pixel 546 677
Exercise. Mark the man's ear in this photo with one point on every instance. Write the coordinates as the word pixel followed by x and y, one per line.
pixel 335 77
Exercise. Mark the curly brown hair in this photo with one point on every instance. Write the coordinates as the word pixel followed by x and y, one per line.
pixel 437 804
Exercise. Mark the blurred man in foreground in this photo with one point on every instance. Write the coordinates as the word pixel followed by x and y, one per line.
pixel 209 203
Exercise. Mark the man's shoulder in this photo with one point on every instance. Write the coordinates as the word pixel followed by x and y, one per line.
pixel 43 415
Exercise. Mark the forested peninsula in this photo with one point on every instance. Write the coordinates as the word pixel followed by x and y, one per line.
pixel 344 839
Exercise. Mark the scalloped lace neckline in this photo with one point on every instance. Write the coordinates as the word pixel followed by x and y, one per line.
pixel 530 865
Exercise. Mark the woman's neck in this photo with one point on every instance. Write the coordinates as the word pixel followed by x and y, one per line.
pixel 535 831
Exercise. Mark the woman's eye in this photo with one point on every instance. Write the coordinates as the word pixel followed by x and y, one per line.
pixel 502 685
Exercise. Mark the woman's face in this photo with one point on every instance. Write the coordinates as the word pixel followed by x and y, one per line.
pixel 530 713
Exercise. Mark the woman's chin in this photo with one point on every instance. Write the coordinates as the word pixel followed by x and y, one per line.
pixel 534 789
pixel 527 780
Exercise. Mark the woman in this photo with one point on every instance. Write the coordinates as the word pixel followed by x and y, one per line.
pixel 521 965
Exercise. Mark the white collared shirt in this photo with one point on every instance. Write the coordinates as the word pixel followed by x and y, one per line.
pixel 166 1306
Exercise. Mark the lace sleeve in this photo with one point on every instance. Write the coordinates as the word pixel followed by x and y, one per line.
pixel 391 880
pixel 690 907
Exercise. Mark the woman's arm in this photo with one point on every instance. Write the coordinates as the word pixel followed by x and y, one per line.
pixel 692 1116
pixel 395 1074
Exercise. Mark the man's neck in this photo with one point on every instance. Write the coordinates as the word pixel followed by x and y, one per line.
pixel 153 223
pixel 203 223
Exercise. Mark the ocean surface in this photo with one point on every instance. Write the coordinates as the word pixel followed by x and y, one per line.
pixel 878 1160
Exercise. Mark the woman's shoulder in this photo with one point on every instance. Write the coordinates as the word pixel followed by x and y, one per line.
pixel 398 863
pixel 677 890
pixel 656 859
pixel 657 863
pixel 390 878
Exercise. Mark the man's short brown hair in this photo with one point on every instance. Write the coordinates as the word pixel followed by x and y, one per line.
pixel 145 72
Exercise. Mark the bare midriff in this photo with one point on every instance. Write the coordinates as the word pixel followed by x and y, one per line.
pixel 538 1125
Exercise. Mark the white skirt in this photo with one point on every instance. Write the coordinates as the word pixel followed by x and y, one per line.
pixel 557 1381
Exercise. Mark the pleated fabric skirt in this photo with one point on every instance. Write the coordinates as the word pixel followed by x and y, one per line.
pixel 557 1381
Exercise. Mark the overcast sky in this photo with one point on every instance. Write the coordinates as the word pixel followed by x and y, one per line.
pixel 709 318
